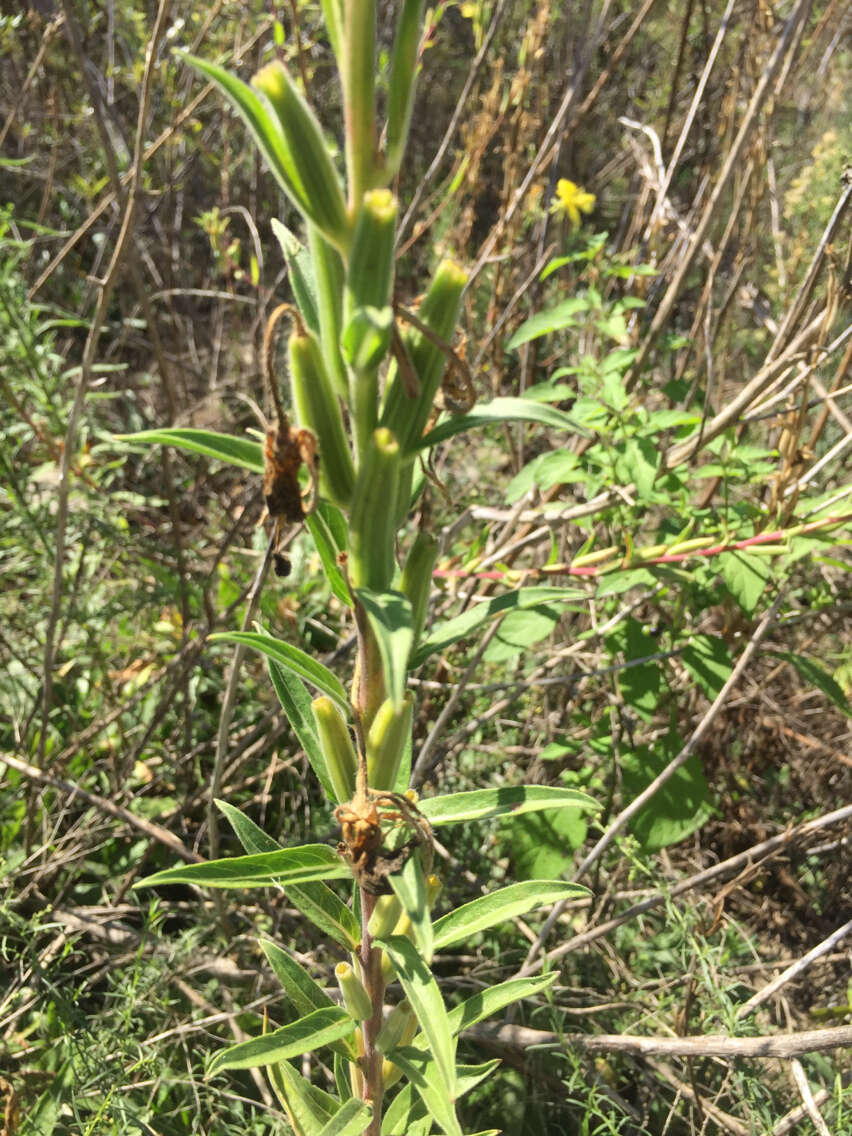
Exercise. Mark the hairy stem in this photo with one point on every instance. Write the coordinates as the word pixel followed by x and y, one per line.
pixel 371 976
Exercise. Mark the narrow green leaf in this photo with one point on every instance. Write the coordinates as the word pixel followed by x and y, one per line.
pixel 554 319
pixel 405 1114
pixel 508 902
pixel 234 451
pixel 308 1107
pixel 444 634
pixel 265 869
pixel 304 993
pixel 422 992
pixel 250 835
pixel 327 912
pixel 410 889
pixel 327 550
pixel 403 80
pixel 317 1029
pixel 426 1076
pixel 351 1120
pixel 296 702
pixel 480 804
pixel 502 410
pixel 390 618
pixel 821 679
pixel 488 1002
pixel 291 657
pixel 300 269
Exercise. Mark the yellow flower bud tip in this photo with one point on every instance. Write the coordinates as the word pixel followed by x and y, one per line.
pixel 381 203
pixel 571 200
pixel 271 80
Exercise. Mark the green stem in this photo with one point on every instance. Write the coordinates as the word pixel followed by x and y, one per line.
pixel 371 976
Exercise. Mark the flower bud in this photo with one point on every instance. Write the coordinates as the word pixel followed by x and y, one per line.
pixel 355 997
pixel 398 1029
pixel 417 579
pixel 372 519
pixel 337 748
pixel 385 916
pixel 386 740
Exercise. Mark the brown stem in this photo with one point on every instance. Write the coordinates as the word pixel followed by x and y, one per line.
pixel 374 984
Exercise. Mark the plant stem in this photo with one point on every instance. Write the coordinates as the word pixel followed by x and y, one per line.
pixel 371 976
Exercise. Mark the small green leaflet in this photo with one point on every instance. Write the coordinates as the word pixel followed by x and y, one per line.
pixel 506 903
pixel 424 1074
pixel 305 994
pixel 480 804
pixel 308 1107
pixel 265 869
pixel 296 703
pixel 554 319
pixel 451 630
pixel 327 550
pixel 291 657
pixel 317 1029
pixel 351 1120
pixel 234 451
pixel 409 887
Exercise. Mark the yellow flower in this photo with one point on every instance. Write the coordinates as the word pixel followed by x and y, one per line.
pixel 571 200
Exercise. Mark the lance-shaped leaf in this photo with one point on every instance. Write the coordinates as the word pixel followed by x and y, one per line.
pixel 553 319
pixel 422 992
pixel 290 657
pixel 308 1107
pixel 296 702
pixel 250 835
pixel 410 889
pixel 403 81
pixel 301 272
pixel 480 804
pixel 405 1113
pixel 234 451
pixel 502 410
pixel 265 869
pixel 305 994
pixel 506 903
pixel 425 1075
pixel 487 1002
pixel 327 550
pixel 350 1120
pixel 444 634
pixel 389 615
pixel 317 1029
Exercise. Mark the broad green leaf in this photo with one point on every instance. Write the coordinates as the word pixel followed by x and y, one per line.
pixel 296 703
pixel 265 869
pixel 291 657
pixel 308 1107
pixel 251 836
pixel 234 451
pixel 480 804
pixel 301 272
pixel 426 1076
pixel 520 630
pixel 639 684
pixel 317 1029
pixel 305 994
pixel 422 992
pixel 709 661
pixel 745 577
pixel 502 410
pixel 821 679
pixel 389 615
pixel 679 807
pixel 327 550
pixel 351 1120
pixel 554 319
pixel 410 889
pixel 450 631
pixel 508 902
pixel 542 843
pixel 326 911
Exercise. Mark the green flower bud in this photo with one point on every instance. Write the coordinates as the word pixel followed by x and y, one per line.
pixel 385 916
pixel 318 408
pixel 399 1028
pixel 366 340
pixel 386 743
pixel 355 997
pixel 372 519
pixel 369 278
pixel 417 578
pixel 313 182
pixel 336 744
pixel 405 416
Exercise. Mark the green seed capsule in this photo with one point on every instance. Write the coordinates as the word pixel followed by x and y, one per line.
pixel 417 578
pixel 405 416
pixel 386 743
pixel 314 183
pixel 399 1028
pixel 372 519
pixel 355 997
pixel 318 408
pixel 336 744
